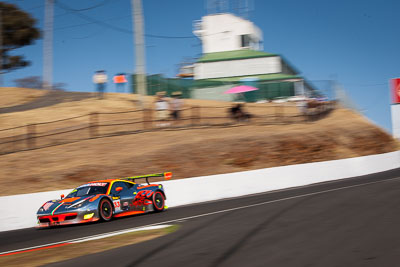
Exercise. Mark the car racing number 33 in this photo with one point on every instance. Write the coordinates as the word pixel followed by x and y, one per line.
pixel 104 200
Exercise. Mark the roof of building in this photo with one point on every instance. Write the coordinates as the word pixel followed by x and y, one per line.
pixel 261 77
pixel 233 55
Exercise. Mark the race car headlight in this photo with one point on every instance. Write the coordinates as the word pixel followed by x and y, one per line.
pixel 88 216
pixel 41 209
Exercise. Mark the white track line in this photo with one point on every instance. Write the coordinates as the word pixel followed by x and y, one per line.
pixel 98 236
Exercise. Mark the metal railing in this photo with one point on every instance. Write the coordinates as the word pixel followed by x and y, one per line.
pixel 105 124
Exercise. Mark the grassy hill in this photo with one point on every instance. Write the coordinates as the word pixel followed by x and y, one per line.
pixel 186 152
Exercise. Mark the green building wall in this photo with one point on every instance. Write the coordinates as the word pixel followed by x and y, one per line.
pixel 206 89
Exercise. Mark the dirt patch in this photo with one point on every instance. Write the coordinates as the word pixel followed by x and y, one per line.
pixel 70 251
pixel 84 171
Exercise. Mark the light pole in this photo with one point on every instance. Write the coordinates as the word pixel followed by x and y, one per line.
pixel 1 45
pixel 140 56
pixel 48 45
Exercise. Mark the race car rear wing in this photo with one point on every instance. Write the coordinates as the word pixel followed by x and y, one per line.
pixel 166 175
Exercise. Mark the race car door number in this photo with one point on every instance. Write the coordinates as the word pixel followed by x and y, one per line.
pixel 117 205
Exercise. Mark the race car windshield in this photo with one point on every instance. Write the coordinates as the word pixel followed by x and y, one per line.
pixel 88 190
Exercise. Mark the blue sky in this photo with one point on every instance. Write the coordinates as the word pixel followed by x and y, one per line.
pixel 355 42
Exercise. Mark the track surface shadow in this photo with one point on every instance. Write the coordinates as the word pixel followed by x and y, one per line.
pixel 253 232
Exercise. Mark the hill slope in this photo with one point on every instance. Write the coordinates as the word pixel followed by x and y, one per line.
pixel 187 153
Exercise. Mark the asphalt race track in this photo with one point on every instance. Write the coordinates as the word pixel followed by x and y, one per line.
pixel 353 222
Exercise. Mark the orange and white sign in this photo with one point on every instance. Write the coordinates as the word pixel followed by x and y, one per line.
pixel 395 87
pixel 119 79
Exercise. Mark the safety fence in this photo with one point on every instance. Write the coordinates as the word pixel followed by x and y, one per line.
pixel 106 124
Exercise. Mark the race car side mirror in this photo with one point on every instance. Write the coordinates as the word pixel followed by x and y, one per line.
pixel 62 196
pixel 118 189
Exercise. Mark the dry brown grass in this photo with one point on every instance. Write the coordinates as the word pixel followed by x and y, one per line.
pixel 62 253
pixel 12 96
pixel 187 153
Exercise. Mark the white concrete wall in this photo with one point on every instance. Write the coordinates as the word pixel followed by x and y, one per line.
pixel 221 32
pixel 207 188
pixel 19 211
pixel 242 67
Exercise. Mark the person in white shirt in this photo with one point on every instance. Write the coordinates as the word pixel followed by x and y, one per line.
pixel 100 79
pixel 161 107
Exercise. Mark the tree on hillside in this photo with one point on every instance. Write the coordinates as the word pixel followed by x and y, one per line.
pixel 36 83
pixel 17 30
pixel 29 82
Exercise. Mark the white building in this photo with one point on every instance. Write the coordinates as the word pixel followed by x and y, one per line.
pixel 232 53
pixel 227 32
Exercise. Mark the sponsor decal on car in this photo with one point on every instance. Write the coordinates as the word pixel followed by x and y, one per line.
pixel 93 184
pixel 141 197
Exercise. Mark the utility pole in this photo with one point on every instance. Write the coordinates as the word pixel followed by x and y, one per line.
pixel 48 45
pixel 1 46
pixel 140 55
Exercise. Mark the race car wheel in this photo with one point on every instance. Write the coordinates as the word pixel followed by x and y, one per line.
pixel 105 209
pixel 158 201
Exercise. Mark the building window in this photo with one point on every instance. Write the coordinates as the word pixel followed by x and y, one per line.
pixel 245 40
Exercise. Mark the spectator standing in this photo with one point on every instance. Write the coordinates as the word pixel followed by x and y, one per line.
pixel 238 114
pixel 162 107
pixel 302 105
pixel 120 81
pixel 176 105
pixel 100 79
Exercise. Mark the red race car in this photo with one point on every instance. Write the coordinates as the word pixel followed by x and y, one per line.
pixel 104 200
